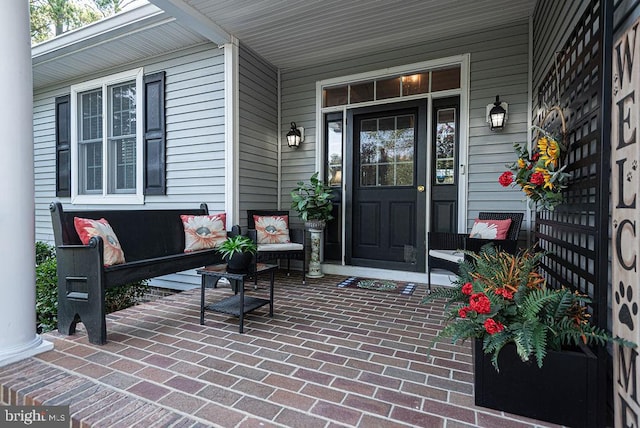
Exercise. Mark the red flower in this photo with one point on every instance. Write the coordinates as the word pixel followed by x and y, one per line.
pixel 467 289
pixel 506 178
pixel 480 303
pixel 462 312
pixel 535 156
pixel 493 327
pixel 504 293
pixel 537 178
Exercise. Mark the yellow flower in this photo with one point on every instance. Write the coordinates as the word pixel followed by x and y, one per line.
pixel 547 178
pixel 521 163
pixel 549 151
pixel 542 144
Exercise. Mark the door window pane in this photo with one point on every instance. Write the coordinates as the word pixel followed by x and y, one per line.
pixel 387 151
pixel 445 146
pixel 334 152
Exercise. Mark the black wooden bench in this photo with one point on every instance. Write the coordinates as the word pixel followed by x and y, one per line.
pixel 153 243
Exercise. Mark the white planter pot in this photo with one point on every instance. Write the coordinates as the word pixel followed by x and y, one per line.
pixel 315 229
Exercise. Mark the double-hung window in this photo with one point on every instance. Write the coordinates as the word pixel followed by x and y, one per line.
pixel 106 140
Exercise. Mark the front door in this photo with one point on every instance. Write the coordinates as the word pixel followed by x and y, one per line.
pixel 386 223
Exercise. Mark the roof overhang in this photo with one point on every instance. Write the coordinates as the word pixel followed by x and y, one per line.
pixel 105 45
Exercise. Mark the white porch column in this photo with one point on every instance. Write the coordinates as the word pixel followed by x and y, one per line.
pixel 231 131
pixel 18 338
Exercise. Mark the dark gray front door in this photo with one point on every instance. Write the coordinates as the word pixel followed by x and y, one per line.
pixel 387 216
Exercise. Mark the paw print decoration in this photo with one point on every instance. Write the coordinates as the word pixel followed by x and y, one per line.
pixel 628 309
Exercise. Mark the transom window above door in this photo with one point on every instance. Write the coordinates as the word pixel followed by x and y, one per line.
pixel 404 85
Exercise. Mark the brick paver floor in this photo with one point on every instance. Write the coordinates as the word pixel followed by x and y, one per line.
pixel 330 357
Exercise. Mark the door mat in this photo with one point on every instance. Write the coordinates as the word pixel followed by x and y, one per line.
pixel 404 288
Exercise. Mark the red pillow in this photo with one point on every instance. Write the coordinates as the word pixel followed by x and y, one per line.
pixel 490 229
pixel 87 229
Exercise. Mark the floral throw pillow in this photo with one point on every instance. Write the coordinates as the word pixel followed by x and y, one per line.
pixel 490 229
pixel 272 229
pixel 202 232
pixel 88 228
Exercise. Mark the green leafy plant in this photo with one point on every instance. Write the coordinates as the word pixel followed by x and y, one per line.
pixel 46 289
pixel 237 245
pixel 116 298
pixel 501 298
pixel 44 252
pixel 312 200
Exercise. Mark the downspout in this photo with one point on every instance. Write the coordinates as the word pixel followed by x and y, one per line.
pixel 279 139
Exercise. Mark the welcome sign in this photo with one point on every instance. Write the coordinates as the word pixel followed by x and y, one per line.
pixel 625 170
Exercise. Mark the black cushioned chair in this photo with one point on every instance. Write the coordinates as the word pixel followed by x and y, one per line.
pixel 446 250
pixel 295 250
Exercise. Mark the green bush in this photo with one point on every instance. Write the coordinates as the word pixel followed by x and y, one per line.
pixel 44 252
pixel 116 298
pixel 46 295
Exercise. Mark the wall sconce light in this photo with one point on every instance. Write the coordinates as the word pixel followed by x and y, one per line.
pixel 497 114
pixel 295 136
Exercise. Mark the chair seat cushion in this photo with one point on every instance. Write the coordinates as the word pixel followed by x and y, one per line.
pixel 291 246
pixel 455 256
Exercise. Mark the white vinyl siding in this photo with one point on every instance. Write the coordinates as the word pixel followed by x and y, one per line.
pixel 498 65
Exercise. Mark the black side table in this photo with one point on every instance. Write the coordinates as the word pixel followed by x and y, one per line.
pixel 238 304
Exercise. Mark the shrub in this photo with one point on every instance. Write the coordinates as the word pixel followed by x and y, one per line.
pixel 44 252
pixel 123 296
pixel 47 290
pixel 46 294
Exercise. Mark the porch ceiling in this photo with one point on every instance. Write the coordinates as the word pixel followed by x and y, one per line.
pixel 287 33
pixel 303 33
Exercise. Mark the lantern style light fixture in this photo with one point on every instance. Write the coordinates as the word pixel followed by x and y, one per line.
pixel 295 136
pixel 497 114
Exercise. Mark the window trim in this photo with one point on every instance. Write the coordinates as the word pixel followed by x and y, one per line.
pixel 105 197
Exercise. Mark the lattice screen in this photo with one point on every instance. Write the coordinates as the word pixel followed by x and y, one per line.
pixel 576 233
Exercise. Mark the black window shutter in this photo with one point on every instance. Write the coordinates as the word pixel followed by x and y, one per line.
pixel 63 146
pixel 154 135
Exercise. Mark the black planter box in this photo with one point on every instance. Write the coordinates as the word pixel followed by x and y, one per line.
pixel 563 391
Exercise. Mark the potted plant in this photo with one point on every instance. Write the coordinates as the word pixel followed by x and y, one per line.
pixel 238 252
pixel 526 337
pixel 312 202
